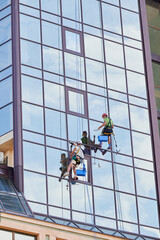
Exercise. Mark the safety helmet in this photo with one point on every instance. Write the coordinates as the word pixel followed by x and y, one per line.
pixel 104 114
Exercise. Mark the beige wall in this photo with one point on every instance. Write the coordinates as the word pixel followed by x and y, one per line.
pixel 6 146
pixel 41 229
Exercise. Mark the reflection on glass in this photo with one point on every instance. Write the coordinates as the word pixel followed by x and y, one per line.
pixel 33 137
pixel 59 212
pixel 5 55
pixel 6 117
pixel 32 118
pixel 139 119
pixel 103 222
pixel 50 17
pixel 54 96
pixel 113 37
pixel 33 157
pixel 31 53
pixel 52 60
pixel 150 232
pixel 4 4
pixel 117 95
pixel 111 12
pixel 114 53
pixel 48 31
pixel 148 214
pixel 128 227
pixel 90 43
pixel 131 24
pixel 31 71
pixel 95 73
pixel 118 158
pixel 36 207
pixel 54 142
pixel 73 41
pixel 81 217
pixel 145 183
pixel 132 43
pixel 126 209
pixel 5 91
pixel 82 198
pixel 30 11
pixel 5 29
pixel 142 146
pixel 58 194
pixel 92 30
pixel 33 3
pixel 134 59
pixel 102 174
pixel 130 4
pixel 32 90
pixel 97 90
pixel 71 9
pixel 75 84
pixel 136 84
pixel 30 28
pixel 5 73
pixel 104 208
pixel 121 174
pixel 53 77
pixel 91 12
pixel 5 235
pixel 74 66
pixel 54 122
pixel 35 187
pixel 72 24
pixel 119 113
pixel 76 102
pixel 138 101
pixel 52 6
pixel 116 78
pixel 76 125
pixel 53 161
pixel 125 145
pixel 97 106
pixel 139 163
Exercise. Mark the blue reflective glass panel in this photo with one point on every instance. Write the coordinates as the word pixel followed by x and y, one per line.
pixel 5 29
pixel 130 4
pixel 33 3
pixel 52 6
pixel 91 12
pixel 32 118
pixel 5 91
pixel 6 119
pixel 33 157
pixel 51 34
pixel 4 3
pixel 54 122
pixel 32 90
pixel 31 53
pixel 111 12
pixel 30 28
pixel 114 53
pixel 5 55
pixel 71 9
pixel 35 187
pixel 5 73
pixel 52 60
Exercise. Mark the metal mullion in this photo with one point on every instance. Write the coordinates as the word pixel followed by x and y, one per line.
pixel 6 78
pixel 5 43
pixel 6 67
pixel 67 135
pixel 44 121
pixel 9 14
pixel 6 105
pixel 148 72
pixel 90 157
pixel 134 175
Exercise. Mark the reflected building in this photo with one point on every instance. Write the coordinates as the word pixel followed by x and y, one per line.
pixel 63 63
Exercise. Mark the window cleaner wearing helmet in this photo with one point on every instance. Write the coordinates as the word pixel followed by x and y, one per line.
pixel 108 128
pixel 77 157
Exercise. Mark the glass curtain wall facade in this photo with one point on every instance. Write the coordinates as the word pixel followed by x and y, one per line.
pixel 79 59
pixel 6 115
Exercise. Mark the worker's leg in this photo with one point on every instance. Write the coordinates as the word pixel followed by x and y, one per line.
pixel 109 142
pixel 74 170
pixel 68 169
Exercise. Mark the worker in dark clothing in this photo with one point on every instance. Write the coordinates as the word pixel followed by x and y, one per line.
pixel 86 141
pixel 64 162
pixel 108 128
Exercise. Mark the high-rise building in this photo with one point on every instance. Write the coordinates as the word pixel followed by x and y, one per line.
pixel 64 63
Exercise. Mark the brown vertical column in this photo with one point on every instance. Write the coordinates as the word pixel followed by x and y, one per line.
pixel 17 123
pixel 152 103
